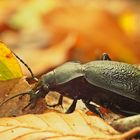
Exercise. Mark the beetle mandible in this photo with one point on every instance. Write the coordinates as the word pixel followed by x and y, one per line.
pixel 112 84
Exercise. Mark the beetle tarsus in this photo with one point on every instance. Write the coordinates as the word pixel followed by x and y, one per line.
pixel 72 107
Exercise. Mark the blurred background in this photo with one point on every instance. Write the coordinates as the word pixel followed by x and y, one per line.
pixel 46 33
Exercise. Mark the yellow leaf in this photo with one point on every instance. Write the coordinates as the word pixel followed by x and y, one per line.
pixel 9 66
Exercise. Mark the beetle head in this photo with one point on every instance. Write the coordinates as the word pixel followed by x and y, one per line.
pixel 39 91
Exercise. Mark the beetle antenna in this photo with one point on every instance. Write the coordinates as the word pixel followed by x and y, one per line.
pixel 33 76
pixel 22 94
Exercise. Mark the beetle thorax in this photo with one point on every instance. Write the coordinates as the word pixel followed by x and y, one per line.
pixel 48 79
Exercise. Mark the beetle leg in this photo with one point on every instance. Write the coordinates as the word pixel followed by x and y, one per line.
pixel 72 107
pixel 105 56
pixel 59 102
pixel 92 108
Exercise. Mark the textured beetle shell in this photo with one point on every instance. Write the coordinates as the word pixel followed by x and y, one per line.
pixel 121 78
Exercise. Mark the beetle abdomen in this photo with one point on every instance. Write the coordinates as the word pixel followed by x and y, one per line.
pixel 118 77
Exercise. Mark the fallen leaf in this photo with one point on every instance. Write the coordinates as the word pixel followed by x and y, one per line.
pixel 10 88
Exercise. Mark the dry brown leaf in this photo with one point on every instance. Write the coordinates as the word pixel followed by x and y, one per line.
pixel 8 89
pixel 57 126
pixel 15 106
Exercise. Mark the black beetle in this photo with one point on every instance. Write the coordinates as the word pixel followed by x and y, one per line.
pixel 112 84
